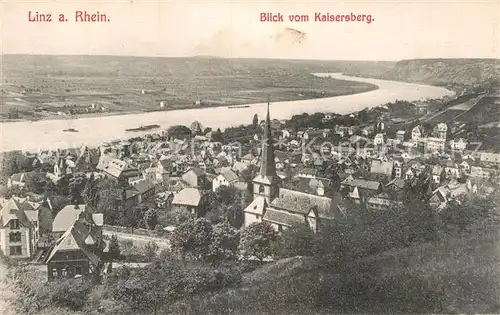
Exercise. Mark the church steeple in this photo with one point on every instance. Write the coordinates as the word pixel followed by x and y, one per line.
pixel 267 166
pixel 267 181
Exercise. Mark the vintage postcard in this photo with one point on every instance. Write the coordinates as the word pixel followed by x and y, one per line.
pixel 249 157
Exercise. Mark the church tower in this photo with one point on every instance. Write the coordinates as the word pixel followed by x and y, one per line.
pixel 266 183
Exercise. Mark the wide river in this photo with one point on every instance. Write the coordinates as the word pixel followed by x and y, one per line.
pixel 49 134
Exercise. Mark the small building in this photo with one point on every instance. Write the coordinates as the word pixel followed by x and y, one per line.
pixel 19 228
pixel 19 179
pixel 416 133
pixel 189 199
pixel 80 250
pixel 432 144
pixel 120 170
pixel 195 177
pixel 400 135
pixel 227 178
pixel 379 139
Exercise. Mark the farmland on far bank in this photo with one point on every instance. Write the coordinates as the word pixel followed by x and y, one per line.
pixel 35 87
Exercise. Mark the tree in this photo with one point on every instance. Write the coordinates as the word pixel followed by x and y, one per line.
pixel 193 238
pixel 132 216
pixel 297 240
pixel 217 135
pixel 179 132
pixel 76 187
pixel 150 250
pixel 10 163
pixel 91 192
pixel 255 121
pixel 258 240
pixel 196 128
pixel 49 188
pixel 456 213
pixel 114 248
pixel 175 217
pixel 224 244
pixel 151 218
pixel 35 182
pixel 225 205
pixel 108 202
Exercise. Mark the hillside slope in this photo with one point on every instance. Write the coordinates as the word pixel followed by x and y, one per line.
pixel 459 275
pixel 446 71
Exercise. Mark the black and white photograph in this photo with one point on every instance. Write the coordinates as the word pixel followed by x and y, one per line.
pixel 196 157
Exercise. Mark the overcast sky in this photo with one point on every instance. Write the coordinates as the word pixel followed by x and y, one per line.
pixel 401 29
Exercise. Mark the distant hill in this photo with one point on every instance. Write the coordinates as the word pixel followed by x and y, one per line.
pixel 446 71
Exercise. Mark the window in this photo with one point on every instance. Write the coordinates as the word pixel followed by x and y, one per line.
pixel 16 250
pixel 14 237
pixel 14 224
pixel 261 189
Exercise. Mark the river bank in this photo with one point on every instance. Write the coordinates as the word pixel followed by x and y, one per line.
pixel 239 102
pixel 49 134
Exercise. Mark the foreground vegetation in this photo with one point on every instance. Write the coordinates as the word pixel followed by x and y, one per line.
pixel 405 259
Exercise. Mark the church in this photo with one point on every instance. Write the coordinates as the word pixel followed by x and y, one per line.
pixel 281 207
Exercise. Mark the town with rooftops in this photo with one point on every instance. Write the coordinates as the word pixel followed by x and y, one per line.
pixel 259 193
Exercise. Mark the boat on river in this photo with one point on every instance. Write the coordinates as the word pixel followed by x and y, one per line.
pixel 144 128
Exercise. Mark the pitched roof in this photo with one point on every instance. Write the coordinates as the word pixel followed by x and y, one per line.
pixel 144 186
pixel 298 202
pixel 15 209
pixel 257 206
pixel 77 237
pixel 68 215
pixel 381 167
pixel 283 217
pixel 118 167
pixel 398 182
pixel 361 183
pixel 197 171
pixel 230 176
pixel 188 197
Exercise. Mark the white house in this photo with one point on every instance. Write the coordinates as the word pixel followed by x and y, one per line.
pixel 442 129
pixel 228 178
pixel 434 144
pixel 458 145
pixel 416 133
pixel 19 228
pixel 379 139
pixel 400 135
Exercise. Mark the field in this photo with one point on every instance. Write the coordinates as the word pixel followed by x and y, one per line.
pixel 34 87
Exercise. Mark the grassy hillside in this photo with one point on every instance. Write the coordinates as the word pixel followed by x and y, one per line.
pixel 57 83
pixel 458 275
pixel 446 71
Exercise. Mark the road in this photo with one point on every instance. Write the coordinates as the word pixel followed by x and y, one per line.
pixel 139 240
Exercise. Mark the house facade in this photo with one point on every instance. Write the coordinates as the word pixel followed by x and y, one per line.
pixel 19 228
pixel 80 250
